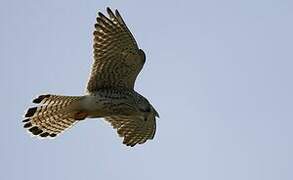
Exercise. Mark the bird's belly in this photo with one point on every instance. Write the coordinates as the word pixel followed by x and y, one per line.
pixel 98 106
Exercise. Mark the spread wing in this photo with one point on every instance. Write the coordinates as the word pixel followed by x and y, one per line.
pixel 117 58
pixel 134 129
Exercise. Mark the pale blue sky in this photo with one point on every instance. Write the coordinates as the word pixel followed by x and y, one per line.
pixel 219 73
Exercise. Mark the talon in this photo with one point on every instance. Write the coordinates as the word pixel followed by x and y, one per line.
pixel 80 115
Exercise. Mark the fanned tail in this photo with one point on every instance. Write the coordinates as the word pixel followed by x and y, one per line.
pixel 53 115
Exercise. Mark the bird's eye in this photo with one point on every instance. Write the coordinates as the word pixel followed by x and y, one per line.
pixel 148 109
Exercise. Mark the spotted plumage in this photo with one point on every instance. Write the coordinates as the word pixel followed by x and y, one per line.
pixel 110 90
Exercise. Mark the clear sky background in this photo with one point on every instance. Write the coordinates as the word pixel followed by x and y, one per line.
pixel 219 73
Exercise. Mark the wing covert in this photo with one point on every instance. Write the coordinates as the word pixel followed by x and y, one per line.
pixel 117 58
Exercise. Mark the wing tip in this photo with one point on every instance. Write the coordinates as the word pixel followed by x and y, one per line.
pixel 109 11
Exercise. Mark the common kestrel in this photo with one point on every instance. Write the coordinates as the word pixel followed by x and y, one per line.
pixel 110 90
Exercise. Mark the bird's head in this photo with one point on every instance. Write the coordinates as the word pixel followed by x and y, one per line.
pixel 146 108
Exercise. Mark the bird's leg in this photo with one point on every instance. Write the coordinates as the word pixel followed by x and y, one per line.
pixel 80 115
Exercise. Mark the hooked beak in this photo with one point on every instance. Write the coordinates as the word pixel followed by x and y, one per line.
pixel 156 113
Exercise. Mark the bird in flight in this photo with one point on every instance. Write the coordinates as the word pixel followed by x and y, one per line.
pixel 110 90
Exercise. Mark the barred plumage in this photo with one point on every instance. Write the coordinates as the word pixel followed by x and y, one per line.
pixel 134 129
pixel 110 90
pixel 53 115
